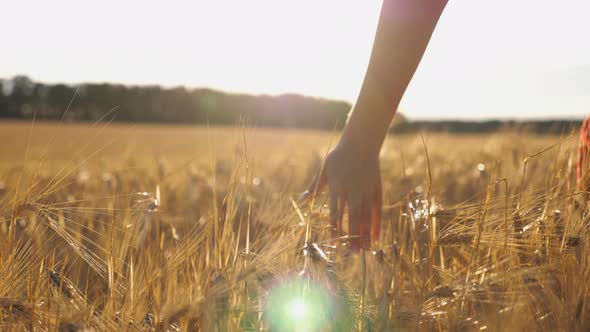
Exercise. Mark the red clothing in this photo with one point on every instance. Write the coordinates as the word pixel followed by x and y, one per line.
pixel 582 175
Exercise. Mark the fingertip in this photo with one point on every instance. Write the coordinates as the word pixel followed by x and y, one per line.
pixel 354 245
pixel 359 242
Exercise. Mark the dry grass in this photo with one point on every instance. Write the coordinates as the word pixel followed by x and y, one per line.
pixel 183 229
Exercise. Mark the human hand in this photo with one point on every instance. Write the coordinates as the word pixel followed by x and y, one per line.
pixel 352 178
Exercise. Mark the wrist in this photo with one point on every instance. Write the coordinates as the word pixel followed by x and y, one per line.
pixel 370 117
pixel 359 142
pixel 365 131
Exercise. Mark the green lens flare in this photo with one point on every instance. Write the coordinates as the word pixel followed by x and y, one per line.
pixel 297 308
pixel 297 305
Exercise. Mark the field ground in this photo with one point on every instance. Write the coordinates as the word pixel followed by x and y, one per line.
pixel 171 228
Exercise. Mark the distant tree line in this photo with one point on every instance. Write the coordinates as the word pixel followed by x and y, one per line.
pixel 469 127
pixel 23 98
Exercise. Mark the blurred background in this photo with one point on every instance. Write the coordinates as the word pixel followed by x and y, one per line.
pixel 289 64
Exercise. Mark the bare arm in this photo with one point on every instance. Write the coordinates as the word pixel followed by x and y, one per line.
pixel 351 170
pixel 405 27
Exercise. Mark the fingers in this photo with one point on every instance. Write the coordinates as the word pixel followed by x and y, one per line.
pixel 359 225
pixel 337 202
pixel 341 205
pixel 364 207
pixel 354 222
pixel 364 220
pixel 376 204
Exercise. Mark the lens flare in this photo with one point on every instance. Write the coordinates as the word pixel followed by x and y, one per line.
pixel 297 309
pixel 297 305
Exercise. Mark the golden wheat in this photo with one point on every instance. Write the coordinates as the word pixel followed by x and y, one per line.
pixel 154 228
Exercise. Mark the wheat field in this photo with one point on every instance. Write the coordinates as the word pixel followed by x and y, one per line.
pixel 112 227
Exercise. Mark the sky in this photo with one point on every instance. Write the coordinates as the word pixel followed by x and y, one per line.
pixel 487 58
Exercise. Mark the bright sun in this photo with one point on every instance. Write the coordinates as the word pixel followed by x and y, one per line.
pixel 318 48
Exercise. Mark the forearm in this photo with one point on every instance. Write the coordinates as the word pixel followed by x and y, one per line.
pixel 403 32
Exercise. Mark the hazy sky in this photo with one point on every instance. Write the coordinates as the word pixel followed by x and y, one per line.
pixel 487 58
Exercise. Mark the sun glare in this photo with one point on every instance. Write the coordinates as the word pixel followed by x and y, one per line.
pixel 297 309
pixel 315 48
pixel 318 48
pixel 299 305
